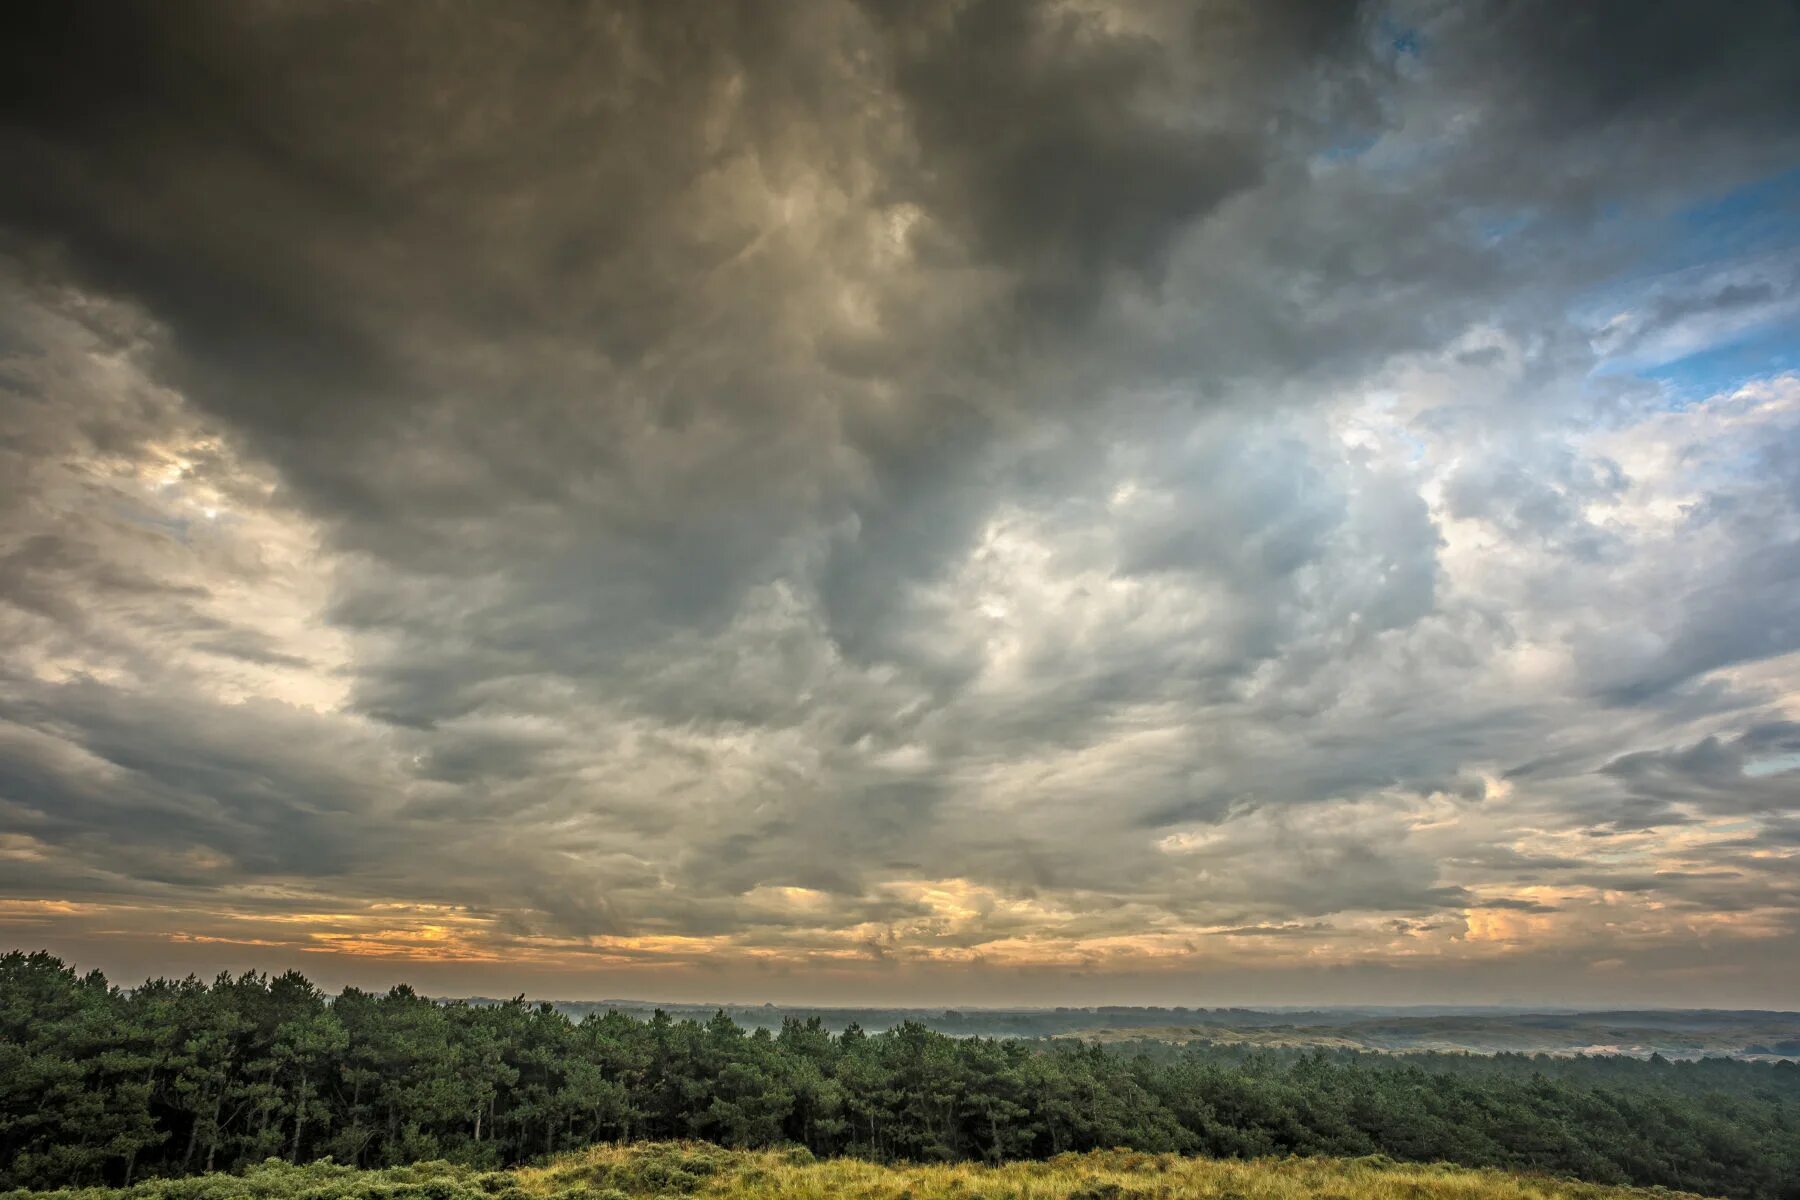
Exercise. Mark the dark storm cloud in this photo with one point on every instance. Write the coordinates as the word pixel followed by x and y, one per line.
pixel 269 790
pixel 1111 160
pixel 876 476
pixel 317 194
pixel 1636 79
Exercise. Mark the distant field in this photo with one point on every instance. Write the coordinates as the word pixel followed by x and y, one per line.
pixel 1673 1033
pixel 704 1172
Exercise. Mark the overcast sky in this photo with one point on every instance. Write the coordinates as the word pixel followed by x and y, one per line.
pixel 969 501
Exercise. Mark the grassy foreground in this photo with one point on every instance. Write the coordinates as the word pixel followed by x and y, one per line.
pixel 703 1172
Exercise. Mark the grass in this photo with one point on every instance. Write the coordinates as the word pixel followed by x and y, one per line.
pixel 697 1171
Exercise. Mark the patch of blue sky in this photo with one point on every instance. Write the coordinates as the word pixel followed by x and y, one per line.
pixel 1744 235
pixel 1352 146
pixel 1399 38
pixel 1404 47
pixel 1759 216
pixel 1723 367
pixel 1778 764
pixel 1749 235
pixel 1754 220
pixel 1493 226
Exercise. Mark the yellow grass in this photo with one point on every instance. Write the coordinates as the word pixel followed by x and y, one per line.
pixel 708 1173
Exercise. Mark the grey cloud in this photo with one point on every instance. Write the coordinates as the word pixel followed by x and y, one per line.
pixel 1739 618
pixel 137 796
pixel 1710 774
pixel 1546 497
pixel 1530 906
pixel 1637 76
pixel 1102 175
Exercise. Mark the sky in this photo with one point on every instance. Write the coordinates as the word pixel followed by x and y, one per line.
pixel 953 502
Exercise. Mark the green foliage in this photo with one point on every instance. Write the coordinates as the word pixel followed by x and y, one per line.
pixel 411 1099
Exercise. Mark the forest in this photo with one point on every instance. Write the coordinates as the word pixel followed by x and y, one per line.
pixel 103 1085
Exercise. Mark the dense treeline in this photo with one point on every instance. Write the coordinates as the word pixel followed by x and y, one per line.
pixel 103 1085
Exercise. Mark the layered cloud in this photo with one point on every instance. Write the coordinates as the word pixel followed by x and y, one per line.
pixel 963 501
